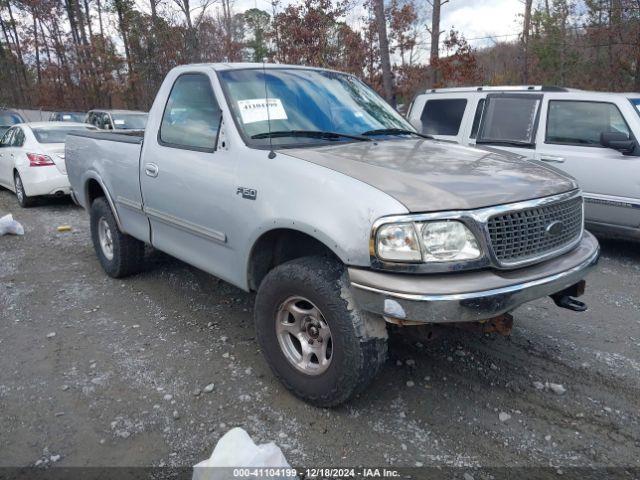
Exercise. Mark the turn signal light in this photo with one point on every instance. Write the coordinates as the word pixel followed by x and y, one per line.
pixel 38 160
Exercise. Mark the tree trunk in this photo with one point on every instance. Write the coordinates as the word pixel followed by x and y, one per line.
pixel 122 25
pixel 526 27
pixel 383 42
pixel 36 47
pixel 434 54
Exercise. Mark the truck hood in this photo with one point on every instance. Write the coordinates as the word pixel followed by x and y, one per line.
pixel 428 175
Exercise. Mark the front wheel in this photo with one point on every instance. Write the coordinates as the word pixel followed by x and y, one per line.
pixel 24 200
pixel 319 345
pixel 119 254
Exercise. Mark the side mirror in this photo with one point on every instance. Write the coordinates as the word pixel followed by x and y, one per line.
pixel 618 141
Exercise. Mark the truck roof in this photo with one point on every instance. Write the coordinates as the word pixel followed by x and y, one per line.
pixel 221 66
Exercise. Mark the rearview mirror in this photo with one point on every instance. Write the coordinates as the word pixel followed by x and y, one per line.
pixel 618 141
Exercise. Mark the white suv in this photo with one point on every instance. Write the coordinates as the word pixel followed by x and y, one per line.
pixel 590 135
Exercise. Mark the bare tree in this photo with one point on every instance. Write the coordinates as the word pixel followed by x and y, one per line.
pixel 435 32
pixel 383 41
pixel 526 28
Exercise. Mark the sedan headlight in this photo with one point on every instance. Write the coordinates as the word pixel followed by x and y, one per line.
pixel 437 241
pixel 448 241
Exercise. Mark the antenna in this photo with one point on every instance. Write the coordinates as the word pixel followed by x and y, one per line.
pixel 272 154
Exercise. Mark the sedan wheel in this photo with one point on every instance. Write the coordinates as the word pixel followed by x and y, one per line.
pixel 23 199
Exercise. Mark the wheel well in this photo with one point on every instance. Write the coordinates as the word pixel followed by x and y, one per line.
pixel 94 190
pixel 279 246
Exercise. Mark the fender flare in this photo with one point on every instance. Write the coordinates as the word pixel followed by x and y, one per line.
pixel 92 175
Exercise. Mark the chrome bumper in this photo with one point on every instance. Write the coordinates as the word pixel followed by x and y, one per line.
pixel 454 297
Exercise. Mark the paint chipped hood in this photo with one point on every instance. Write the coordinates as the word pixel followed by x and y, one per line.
pixel 429 175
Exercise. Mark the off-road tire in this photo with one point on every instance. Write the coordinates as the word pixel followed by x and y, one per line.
pixel 23 199
pixel 128 252
pixel 359 347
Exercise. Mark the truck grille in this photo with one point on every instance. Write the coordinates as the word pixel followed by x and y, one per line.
pixel 533 232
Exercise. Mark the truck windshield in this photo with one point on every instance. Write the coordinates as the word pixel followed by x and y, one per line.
pixel 315 106
pixel 129 121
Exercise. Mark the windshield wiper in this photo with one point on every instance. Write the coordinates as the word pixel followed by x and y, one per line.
pixel 511 143
pixel 395 131
pixel 310 134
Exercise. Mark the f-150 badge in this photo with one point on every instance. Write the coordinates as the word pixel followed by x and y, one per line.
pixel 248 193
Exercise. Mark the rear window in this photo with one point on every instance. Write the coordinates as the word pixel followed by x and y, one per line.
pixel 57 135
pixel 443 117
pixel 509 119
pixel 9 118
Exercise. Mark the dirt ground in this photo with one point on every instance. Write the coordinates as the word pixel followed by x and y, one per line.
pixel 104 372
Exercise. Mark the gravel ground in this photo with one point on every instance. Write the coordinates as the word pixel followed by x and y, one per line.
pixel 106 372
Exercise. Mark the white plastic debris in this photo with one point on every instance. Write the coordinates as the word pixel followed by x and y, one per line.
pixel 9 226
pixel 504 416
pixel 236 449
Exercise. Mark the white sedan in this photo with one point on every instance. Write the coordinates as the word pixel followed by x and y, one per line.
pixel 32 159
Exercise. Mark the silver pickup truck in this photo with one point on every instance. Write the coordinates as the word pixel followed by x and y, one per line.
pixel 302 184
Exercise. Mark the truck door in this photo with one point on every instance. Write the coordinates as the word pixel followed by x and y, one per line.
pixel 570 140
pixel 187 184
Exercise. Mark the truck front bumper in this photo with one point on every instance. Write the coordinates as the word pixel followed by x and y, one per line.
pixel 469 296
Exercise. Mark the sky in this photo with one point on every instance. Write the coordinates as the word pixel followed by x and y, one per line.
pixel 482 22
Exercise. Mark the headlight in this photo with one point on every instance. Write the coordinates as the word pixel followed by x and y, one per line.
pixel 398 242
pixel 448 241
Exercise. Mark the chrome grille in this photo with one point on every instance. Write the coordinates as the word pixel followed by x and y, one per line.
pixel 522 235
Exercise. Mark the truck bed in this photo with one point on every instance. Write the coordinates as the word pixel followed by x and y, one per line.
pixel 110 163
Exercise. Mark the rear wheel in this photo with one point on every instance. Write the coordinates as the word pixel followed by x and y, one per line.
pixel 24 200
pixel 119 254
pixel 318 344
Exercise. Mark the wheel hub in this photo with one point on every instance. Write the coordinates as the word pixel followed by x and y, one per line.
pixel 304 336
pixel 105 237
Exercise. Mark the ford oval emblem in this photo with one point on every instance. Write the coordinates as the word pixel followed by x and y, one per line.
pixel 555 228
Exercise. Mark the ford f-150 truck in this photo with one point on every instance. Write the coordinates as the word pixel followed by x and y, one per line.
pixel 302 184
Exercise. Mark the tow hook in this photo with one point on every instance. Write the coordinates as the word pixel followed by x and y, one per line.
pixel 565 298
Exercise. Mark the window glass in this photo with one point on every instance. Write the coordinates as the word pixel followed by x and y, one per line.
pixel 129 121
pixel 57 134
pixel 6 138
pixel 636 103
pixel 443 117
pixel 18 138
pixel 582 123
pixel 105 121
pixel 476 118
pixel 510 119
pixel 9 118
pixel 192 116
pixel 288 100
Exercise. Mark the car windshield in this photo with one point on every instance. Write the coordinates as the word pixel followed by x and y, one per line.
pixel 129 121
pixel 71 117
pixel 57 134
pixel 8 119
pixel 306 107
pixel 636 103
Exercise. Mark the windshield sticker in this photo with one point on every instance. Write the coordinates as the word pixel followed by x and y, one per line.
pixel 118 122
pixel 256 110
pixel 66 117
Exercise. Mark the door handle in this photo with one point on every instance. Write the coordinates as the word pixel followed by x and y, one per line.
pixel 551 159
pixel 151 169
